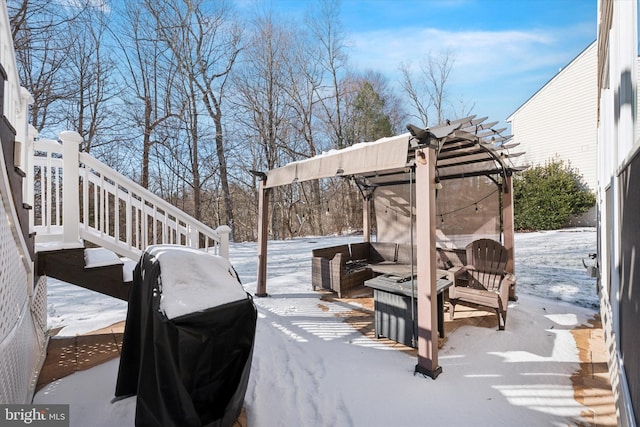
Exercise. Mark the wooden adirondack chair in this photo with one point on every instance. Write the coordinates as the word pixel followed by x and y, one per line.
pixel 486 282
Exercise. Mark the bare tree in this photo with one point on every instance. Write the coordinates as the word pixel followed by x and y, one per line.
pixel 150 76
pixel 91 68
pixel 437 73
pixel 314 95
pixel 261 102
pixel 462 108
pixel 204 42
pixel 185 151
pixel 42 45
pixel 428 91
pixel 326 28
pixel 416 93
pixel 263 106
pixel 304 90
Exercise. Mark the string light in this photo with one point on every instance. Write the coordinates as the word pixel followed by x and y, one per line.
pixel 469 205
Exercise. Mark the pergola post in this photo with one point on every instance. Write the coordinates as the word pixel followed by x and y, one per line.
pixel 508 228
pixel 426 264
pixel 263 237
pixel 366 218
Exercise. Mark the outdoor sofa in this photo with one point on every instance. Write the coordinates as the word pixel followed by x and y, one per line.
pixel 344 268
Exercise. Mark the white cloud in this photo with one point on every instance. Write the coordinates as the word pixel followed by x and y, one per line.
pixel 485 61
pixel 487 53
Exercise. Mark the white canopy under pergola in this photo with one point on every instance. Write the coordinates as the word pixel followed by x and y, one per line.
pixel 423 159
pixel 382 155
pixel 465 147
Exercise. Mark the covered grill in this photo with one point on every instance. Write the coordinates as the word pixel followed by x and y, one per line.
pixel 188 339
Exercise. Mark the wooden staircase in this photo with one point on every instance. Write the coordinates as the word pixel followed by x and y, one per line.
pixel 103 210
pixel 70 265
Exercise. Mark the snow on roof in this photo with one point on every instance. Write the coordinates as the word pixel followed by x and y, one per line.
pixel 193 280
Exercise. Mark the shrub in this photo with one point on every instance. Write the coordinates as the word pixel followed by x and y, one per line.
pixel 546 196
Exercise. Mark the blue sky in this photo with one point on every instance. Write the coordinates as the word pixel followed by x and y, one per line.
pixel 505 50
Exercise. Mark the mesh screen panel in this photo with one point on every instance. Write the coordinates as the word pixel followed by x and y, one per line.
pixel 467 209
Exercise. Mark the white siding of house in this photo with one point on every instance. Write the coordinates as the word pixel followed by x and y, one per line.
pixel 617 145
pixel 637 135
pixel 560 120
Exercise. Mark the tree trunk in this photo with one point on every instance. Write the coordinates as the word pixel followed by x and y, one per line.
pixel 224 178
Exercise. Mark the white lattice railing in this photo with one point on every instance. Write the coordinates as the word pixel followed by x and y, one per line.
pixel 105 207
pixel 23 314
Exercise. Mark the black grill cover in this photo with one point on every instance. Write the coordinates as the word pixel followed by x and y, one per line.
pixel 192 370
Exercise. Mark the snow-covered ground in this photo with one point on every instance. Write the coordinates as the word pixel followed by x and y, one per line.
pixel 312 369
pixel 549 264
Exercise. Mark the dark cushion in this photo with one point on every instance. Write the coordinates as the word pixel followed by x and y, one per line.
pixel 360 251
pixel 381 251
pixel 329 253
pixel 404 254
pixel 449 257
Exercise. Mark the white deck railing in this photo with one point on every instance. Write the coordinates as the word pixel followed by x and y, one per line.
pixel 105 207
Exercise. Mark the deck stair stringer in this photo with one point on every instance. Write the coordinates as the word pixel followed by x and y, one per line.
pixel 97 269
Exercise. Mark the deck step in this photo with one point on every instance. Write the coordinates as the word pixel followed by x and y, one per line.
pixel 100 257
pixel 69 265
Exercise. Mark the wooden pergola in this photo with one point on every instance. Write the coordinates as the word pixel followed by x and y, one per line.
pixel 422 159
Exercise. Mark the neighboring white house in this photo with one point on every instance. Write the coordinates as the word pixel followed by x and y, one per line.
pixel 560 120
